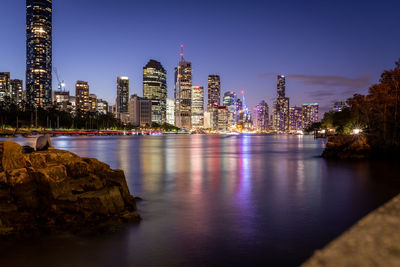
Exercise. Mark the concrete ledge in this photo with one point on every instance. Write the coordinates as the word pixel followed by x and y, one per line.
pixel 373 241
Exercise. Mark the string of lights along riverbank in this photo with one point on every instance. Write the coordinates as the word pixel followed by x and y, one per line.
pixel 224 111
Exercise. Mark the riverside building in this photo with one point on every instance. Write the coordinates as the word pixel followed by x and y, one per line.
pixel 155 89
pixel 230 102
pixel 310 114
pixel 39 52
pixel 214 90
pixel 198 107
pixel 82 96
pixel 296 119
pixel 183 94
pixel 170 111
pixel 261 117
pixel 281 107
pixel 122 100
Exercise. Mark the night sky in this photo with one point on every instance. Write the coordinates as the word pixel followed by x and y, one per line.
pixel 328 49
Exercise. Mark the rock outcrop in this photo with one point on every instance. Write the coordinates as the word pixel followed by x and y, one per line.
pixel 56 190
pixel 347 147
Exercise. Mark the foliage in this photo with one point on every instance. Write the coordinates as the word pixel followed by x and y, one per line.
pixel 379 110
pixel 342 121
pixel 27 116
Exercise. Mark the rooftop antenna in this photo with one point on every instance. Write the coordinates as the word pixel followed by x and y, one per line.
pixel 182 59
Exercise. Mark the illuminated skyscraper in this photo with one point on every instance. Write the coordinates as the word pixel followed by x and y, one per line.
pixel 261 117
pixel 230 102
pixel 38 52
pixel 170 111
pixel 155 89
pixel 281 107
pixel 183 94
pixel 122 101
pixel 295 119
pixel 82 96
pixel 310 114
pixel 198 107
pixel 214 90
pixel 5 86
pixel 16 91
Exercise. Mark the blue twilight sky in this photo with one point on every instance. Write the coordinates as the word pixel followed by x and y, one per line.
pixel 329 49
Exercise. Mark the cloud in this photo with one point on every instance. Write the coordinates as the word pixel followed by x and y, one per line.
pixel 330 81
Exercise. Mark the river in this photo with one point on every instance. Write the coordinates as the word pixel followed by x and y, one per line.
pixel 218 201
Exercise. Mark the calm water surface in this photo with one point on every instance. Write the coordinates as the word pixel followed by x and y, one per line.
pixel 218 201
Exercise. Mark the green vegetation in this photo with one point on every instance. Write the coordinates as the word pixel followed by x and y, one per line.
pixel 26 116
pixel 377 113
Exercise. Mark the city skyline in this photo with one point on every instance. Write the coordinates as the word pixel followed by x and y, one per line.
pixel 309 77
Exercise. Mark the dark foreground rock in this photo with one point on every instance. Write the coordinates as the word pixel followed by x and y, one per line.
pixel 373 241
pixel 347 147
pixel 56 190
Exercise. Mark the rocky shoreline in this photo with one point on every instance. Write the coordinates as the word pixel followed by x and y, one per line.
pixel 373 241
pixel 56 190
pixel 347 147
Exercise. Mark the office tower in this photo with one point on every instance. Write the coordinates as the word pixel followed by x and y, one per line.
pixel 155 89
pixel 82 96
pixel 222 118
pixel 183 94
pixel 4 85
pixel 170 111
pixel 261 117
pixel 296 119
pixel 239 105
pixel 230 102
pixel 122 100
pixel 281 86
pixel 140 113
pixel 310 114
pixel 214 90
pixel 281 107
pixel 198 107
pixel 16 91
pixel 93 102
pixel 38 52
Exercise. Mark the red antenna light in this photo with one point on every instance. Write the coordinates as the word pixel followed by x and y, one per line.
pixel 242 92
pixel 182 59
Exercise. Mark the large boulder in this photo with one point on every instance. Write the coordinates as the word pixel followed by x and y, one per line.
pixel 57 190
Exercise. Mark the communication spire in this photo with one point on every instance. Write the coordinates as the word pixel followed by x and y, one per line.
pixel 182 59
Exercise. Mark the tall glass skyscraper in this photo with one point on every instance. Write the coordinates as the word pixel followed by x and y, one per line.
pixel 155 89
pixel 183 94
pixel 310 114
pixel 122 101
pixel 214 90
pixel 38 52
pixel 281 107
pixel 230 102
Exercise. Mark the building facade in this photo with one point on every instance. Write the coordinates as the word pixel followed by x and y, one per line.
pixel 281 107
pixel 4 85
pixel 155 89
pixel 122 100
pixel 310 114
pixel 261 117
pixel 214 90
pixel 183 95
pixel 140 113
pixel 198 107
pixel 82 96
pixel 296 119
pixel 170 111
pixel 39 52
pixel 230 102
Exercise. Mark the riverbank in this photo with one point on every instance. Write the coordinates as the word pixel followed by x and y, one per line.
pixel 56 190
pixel 373 241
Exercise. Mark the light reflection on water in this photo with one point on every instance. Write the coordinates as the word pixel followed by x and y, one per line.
pixel 216 200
